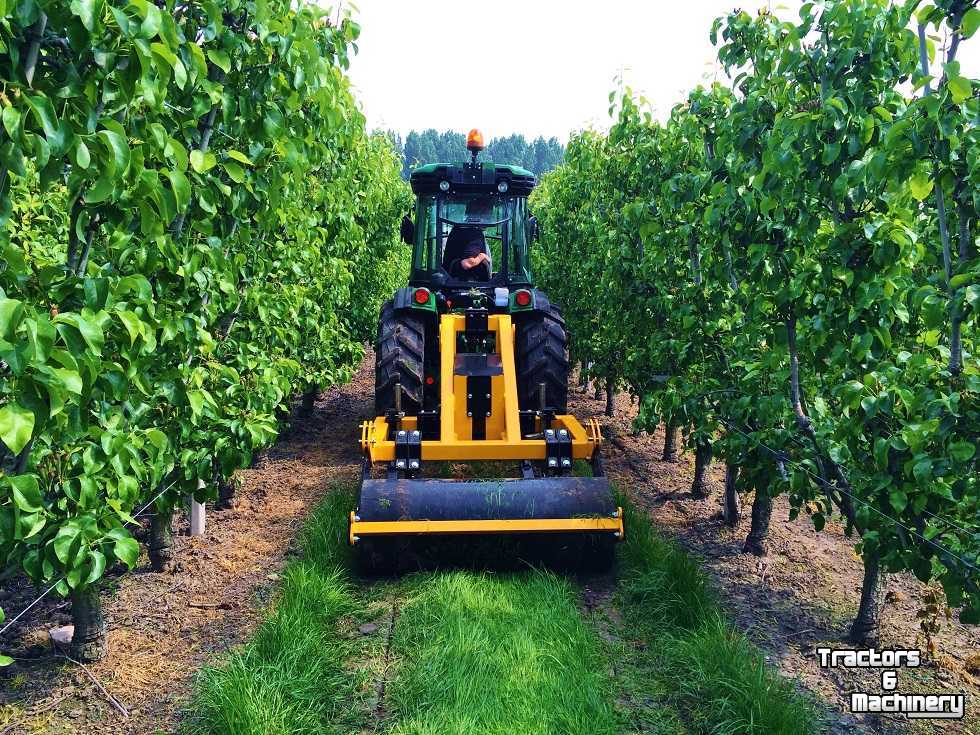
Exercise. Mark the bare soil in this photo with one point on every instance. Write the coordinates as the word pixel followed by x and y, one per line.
pixel 164 627
pixel 803 594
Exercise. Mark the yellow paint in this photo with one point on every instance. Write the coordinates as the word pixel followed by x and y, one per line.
pixel 540 525
pixel 380 449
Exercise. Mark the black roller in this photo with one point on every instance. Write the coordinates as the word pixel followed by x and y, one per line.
pixel 450 500
pixel 447 500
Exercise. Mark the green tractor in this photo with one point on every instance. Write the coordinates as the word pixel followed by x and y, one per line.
pixel 472 364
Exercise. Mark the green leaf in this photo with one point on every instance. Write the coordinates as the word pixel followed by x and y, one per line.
pixel 11 314
pixel 151 25
pixel 960 88
pixel 46 117
pixel 118 148
pixel 220 59
pixel 830 153
pixel 962 451
pixel 132 323
pixel 201 161
pixel 63 542
pixel 970 22
pixel 921 186
pixel 899 500
pixel 82 156
pixel 182 189
pixel 27 493
pixel 87 11
pixel 98 566
pixel 196 400
pixel 239 156
pixel 90 330
pixel 100 190
pixel 5 660
pixel 11 119
pixel 127 550
pixel 235 172
pixel 16 426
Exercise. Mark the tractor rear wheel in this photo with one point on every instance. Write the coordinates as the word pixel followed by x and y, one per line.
pixel 542 357
pixel 398 354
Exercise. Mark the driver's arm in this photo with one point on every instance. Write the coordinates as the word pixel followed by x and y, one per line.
pixel 470 263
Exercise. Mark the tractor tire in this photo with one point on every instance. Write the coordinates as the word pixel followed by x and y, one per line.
pixel 398 354
pixel 541 353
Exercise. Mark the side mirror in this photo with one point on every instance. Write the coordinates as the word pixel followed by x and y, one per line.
pixel 408 230
pixel 532 226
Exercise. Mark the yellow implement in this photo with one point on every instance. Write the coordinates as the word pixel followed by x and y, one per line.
pixel 479 418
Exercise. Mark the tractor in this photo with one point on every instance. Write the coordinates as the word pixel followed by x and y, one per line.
pixel 472 367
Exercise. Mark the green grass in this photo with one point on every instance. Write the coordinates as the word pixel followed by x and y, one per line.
pixel 291 678
pixel 493 653
pixel 693 660
pixel 490 654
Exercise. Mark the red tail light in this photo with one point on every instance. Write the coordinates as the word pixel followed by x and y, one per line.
pixel 422 296
pixel 522 298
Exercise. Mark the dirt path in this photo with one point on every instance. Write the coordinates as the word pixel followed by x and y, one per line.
pixel 803 594
pixel 163 627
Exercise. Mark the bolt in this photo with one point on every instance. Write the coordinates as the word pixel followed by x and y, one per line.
pixel 566 463
pixel 563 434
pixel 401 433
pixel 469 395
pixel 615 514
pixel 415 464
pixel 400 464
pixel 469 413
pixel 357 519
pixel 488 395
pixel 356 539
pixel 415 434
pixel 552 462
pixel 618 534
pixel 488 413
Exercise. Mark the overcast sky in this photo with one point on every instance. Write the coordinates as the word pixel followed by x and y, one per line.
pixel 537 67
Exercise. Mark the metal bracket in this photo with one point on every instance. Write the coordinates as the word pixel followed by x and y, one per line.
pixel 428 422
pixel 558 449
pixel 478 403
pixel 408 450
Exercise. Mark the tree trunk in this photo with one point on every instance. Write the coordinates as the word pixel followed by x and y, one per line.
pixel 670 442
pixel 732 508
pixel 309 398
pixel 161 547
pixel 864 629
pixel 610 395
pixel 583 379
pixel 702 460
pixel 757 540
pixel 226 493
pixel 88 642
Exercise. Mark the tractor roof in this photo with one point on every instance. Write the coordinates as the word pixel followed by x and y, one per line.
pixel 471 178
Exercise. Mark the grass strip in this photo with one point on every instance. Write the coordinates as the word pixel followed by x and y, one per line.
pixel 484 653
pixel 691 658
pixel 291 678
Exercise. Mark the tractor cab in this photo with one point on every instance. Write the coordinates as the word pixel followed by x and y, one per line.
pixel 471 230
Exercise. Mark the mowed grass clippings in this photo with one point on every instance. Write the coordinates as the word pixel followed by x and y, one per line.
pixel 291 678
pixel 715 678
pixel 497 654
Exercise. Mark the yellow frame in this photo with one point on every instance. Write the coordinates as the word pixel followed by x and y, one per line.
pixel 612 525
pixel 503 430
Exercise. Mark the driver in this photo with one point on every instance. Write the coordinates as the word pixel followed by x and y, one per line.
pixel 466 255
